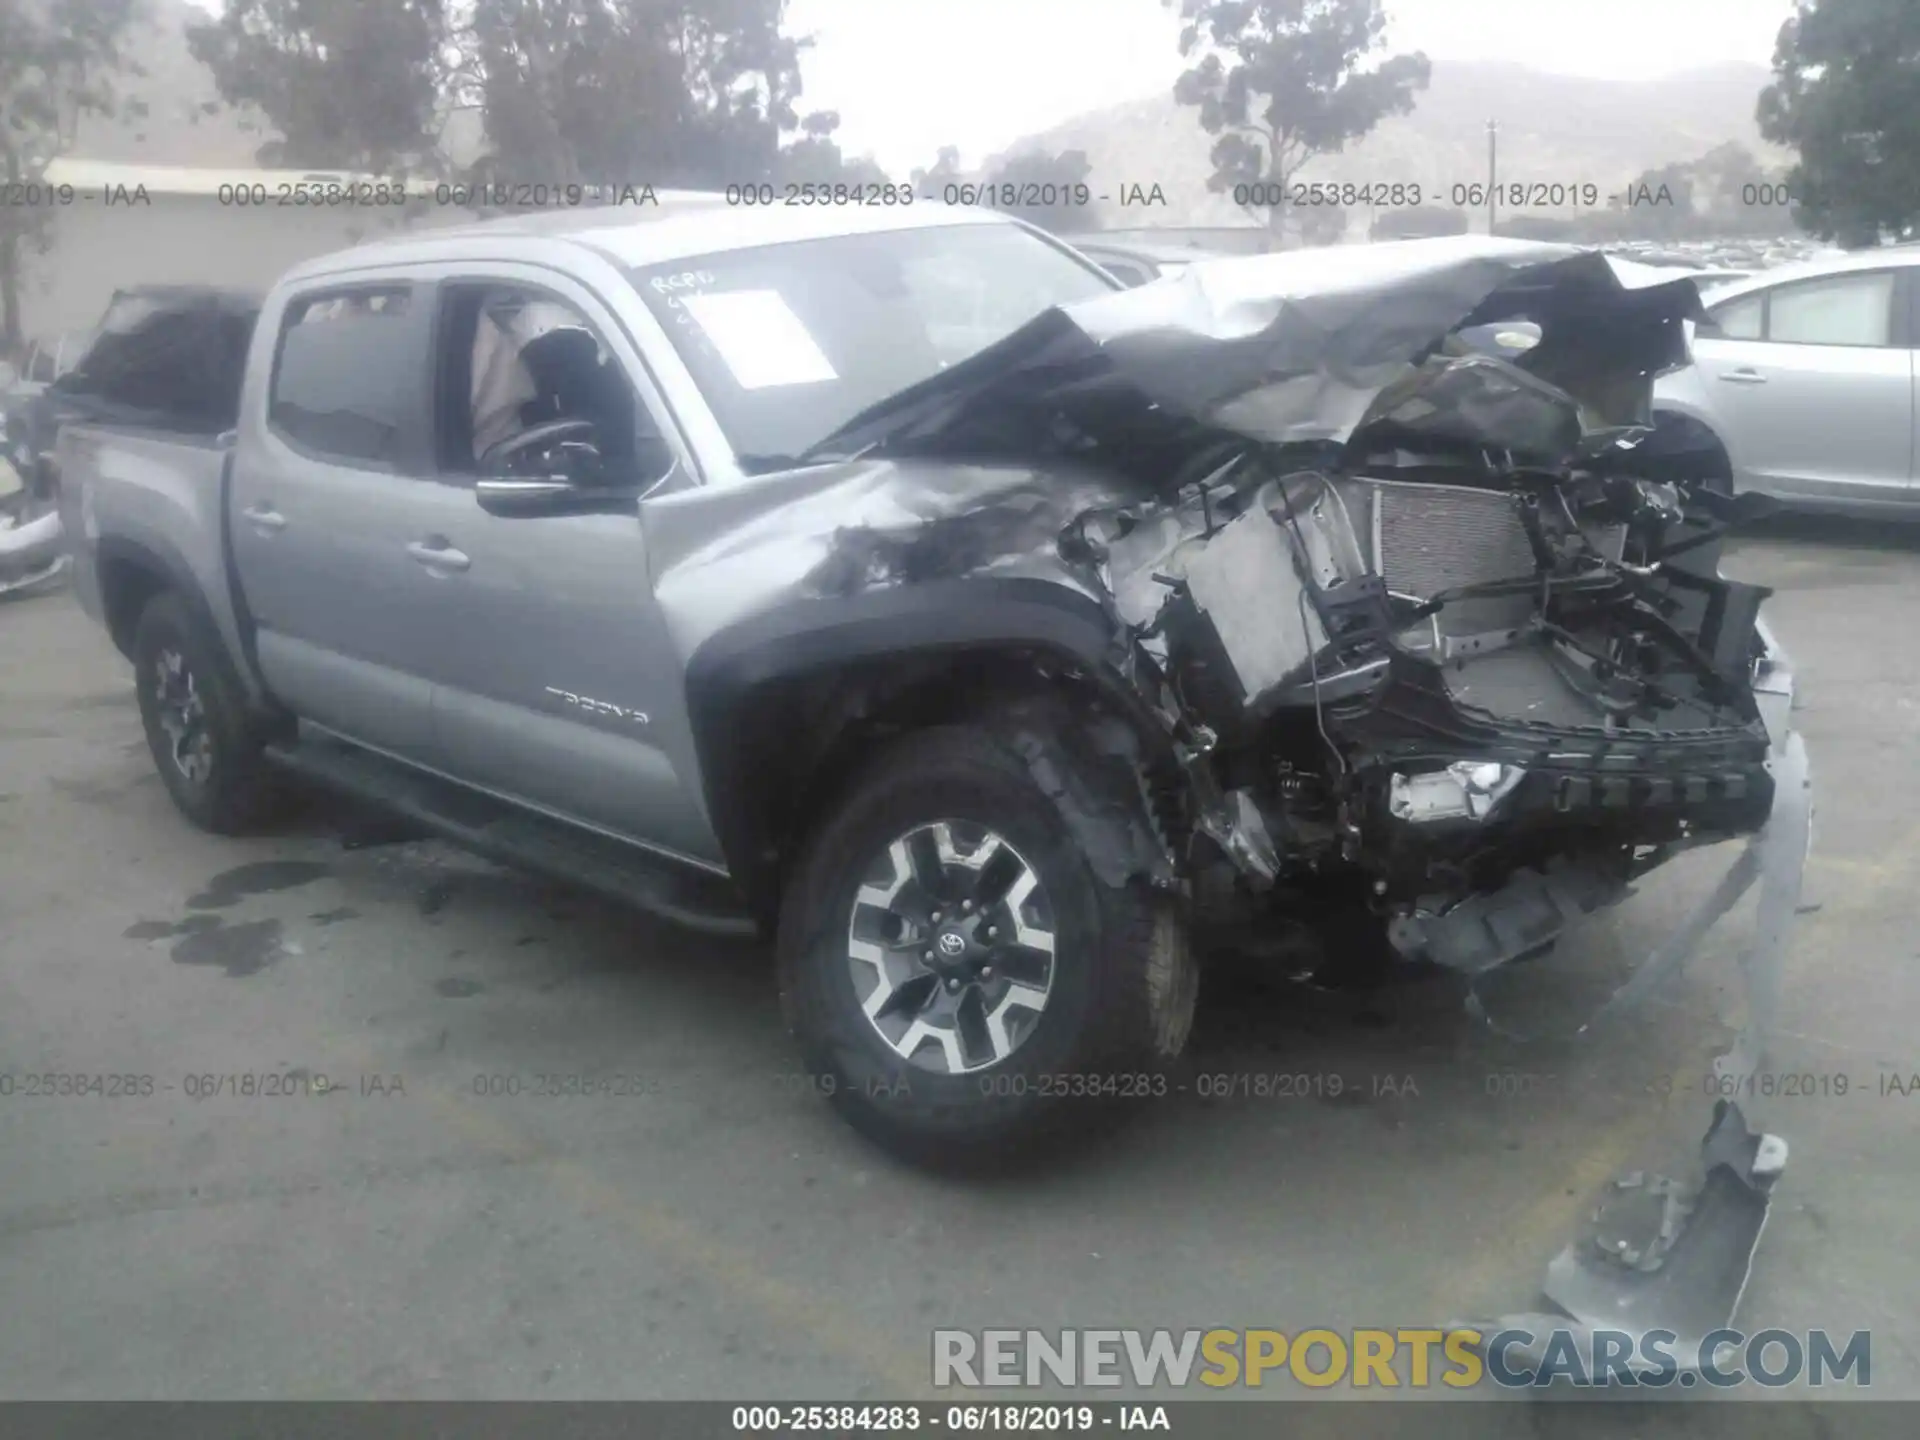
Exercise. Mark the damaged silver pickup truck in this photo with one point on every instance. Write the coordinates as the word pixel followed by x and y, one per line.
pixel 625 549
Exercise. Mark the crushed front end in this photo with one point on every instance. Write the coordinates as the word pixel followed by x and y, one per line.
pixel 1389 558
pixel 1498 698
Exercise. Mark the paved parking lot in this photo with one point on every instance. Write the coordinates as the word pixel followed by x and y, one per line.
pixel 404 1232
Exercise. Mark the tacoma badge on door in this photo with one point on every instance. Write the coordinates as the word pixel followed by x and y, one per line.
pixel 599 707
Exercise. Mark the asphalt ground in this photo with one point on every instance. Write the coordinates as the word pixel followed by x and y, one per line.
pixel 410 1231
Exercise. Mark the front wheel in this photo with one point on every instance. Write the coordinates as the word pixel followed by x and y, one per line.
pixel 960 982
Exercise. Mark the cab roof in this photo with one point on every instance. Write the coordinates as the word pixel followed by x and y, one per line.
pixel 673 225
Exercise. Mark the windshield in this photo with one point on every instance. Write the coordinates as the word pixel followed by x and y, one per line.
pixel 789 342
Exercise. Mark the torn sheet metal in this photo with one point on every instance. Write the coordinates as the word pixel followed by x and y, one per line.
pixel 1250 556
pixel 1296 348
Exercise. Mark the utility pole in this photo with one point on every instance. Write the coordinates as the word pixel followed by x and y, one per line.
pixel 1493 170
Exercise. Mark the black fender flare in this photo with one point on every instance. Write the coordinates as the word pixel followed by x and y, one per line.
pixel 156 558
pixel 734 670
pixel 171 572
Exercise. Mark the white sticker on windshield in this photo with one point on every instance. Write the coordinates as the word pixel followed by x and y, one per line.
pixel 760 338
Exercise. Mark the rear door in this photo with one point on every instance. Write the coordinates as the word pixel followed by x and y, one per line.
pixel 1814 383
pixel 332 512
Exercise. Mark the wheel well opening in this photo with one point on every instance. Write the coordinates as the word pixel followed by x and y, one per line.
pixel 126 586
pixel 801 741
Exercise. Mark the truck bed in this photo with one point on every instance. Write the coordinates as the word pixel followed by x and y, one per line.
pixel 155 496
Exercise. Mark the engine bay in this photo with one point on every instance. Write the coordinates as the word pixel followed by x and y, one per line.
pixel 1461 672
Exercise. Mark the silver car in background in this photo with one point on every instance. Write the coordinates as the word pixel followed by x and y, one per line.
pixel 1803 385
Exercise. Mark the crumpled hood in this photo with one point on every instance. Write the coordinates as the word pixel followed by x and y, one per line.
pixel 1291 349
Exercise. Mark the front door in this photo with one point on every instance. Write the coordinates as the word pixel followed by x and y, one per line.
pixel 557 683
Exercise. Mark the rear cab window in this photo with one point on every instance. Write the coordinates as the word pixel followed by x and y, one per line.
pixel 169 358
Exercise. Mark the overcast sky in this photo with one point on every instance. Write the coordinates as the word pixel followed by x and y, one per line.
pixel 908 76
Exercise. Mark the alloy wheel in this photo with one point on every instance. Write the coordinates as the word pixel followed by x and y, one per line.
pixel 182 716
pixel 951 947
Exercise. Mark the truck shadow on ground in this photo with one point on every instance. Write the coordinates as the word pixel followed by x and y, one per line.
pixel 1315 1037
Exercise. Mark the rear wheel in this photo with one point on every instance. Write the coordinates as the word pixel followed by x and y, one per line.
pixel 961 983
pixel 205 741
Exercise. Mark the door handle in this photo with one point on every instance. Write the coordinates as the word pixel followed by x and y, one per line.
pixel 1744 376
pixel 264 518
pixel 438 557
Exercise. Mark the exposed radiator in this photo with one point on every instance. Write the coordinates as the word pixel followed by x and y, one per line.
pixel 1429 538
pixel 1423 538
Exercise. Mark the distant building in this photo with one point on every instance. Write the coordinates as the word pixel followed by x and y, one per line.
pixel 161 224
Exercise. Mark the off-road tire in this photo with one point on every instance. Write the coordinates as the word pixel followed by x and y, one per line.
pixel 1123 981
pixel 239 791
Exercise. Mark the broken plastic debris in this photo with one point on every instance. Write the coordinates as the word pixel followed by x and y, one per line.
pixel 1680 1266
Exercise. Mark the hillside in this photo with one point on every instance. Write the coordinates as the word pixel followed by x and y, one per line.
pixel 1553 128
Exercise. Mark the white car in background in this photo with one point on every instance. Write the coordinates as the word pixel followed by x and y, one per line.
pixel 1803 382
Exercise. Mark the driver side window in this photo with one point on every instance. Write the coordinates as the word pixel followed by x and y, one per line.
pixel 514 360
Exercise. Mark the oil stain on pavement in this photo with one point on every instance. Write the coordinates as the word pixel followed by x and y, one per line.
pixel 238 949
pixel 230 887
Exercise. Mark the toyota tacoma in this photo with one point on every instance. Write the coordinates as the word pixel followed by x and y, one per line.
pixel 891 584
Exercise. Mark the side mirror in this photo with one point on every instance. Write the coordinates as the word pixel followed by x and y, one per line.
pixel 513 498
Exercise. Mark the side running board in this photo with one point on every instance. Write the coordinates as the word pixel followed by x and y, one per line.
pixel 503 832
